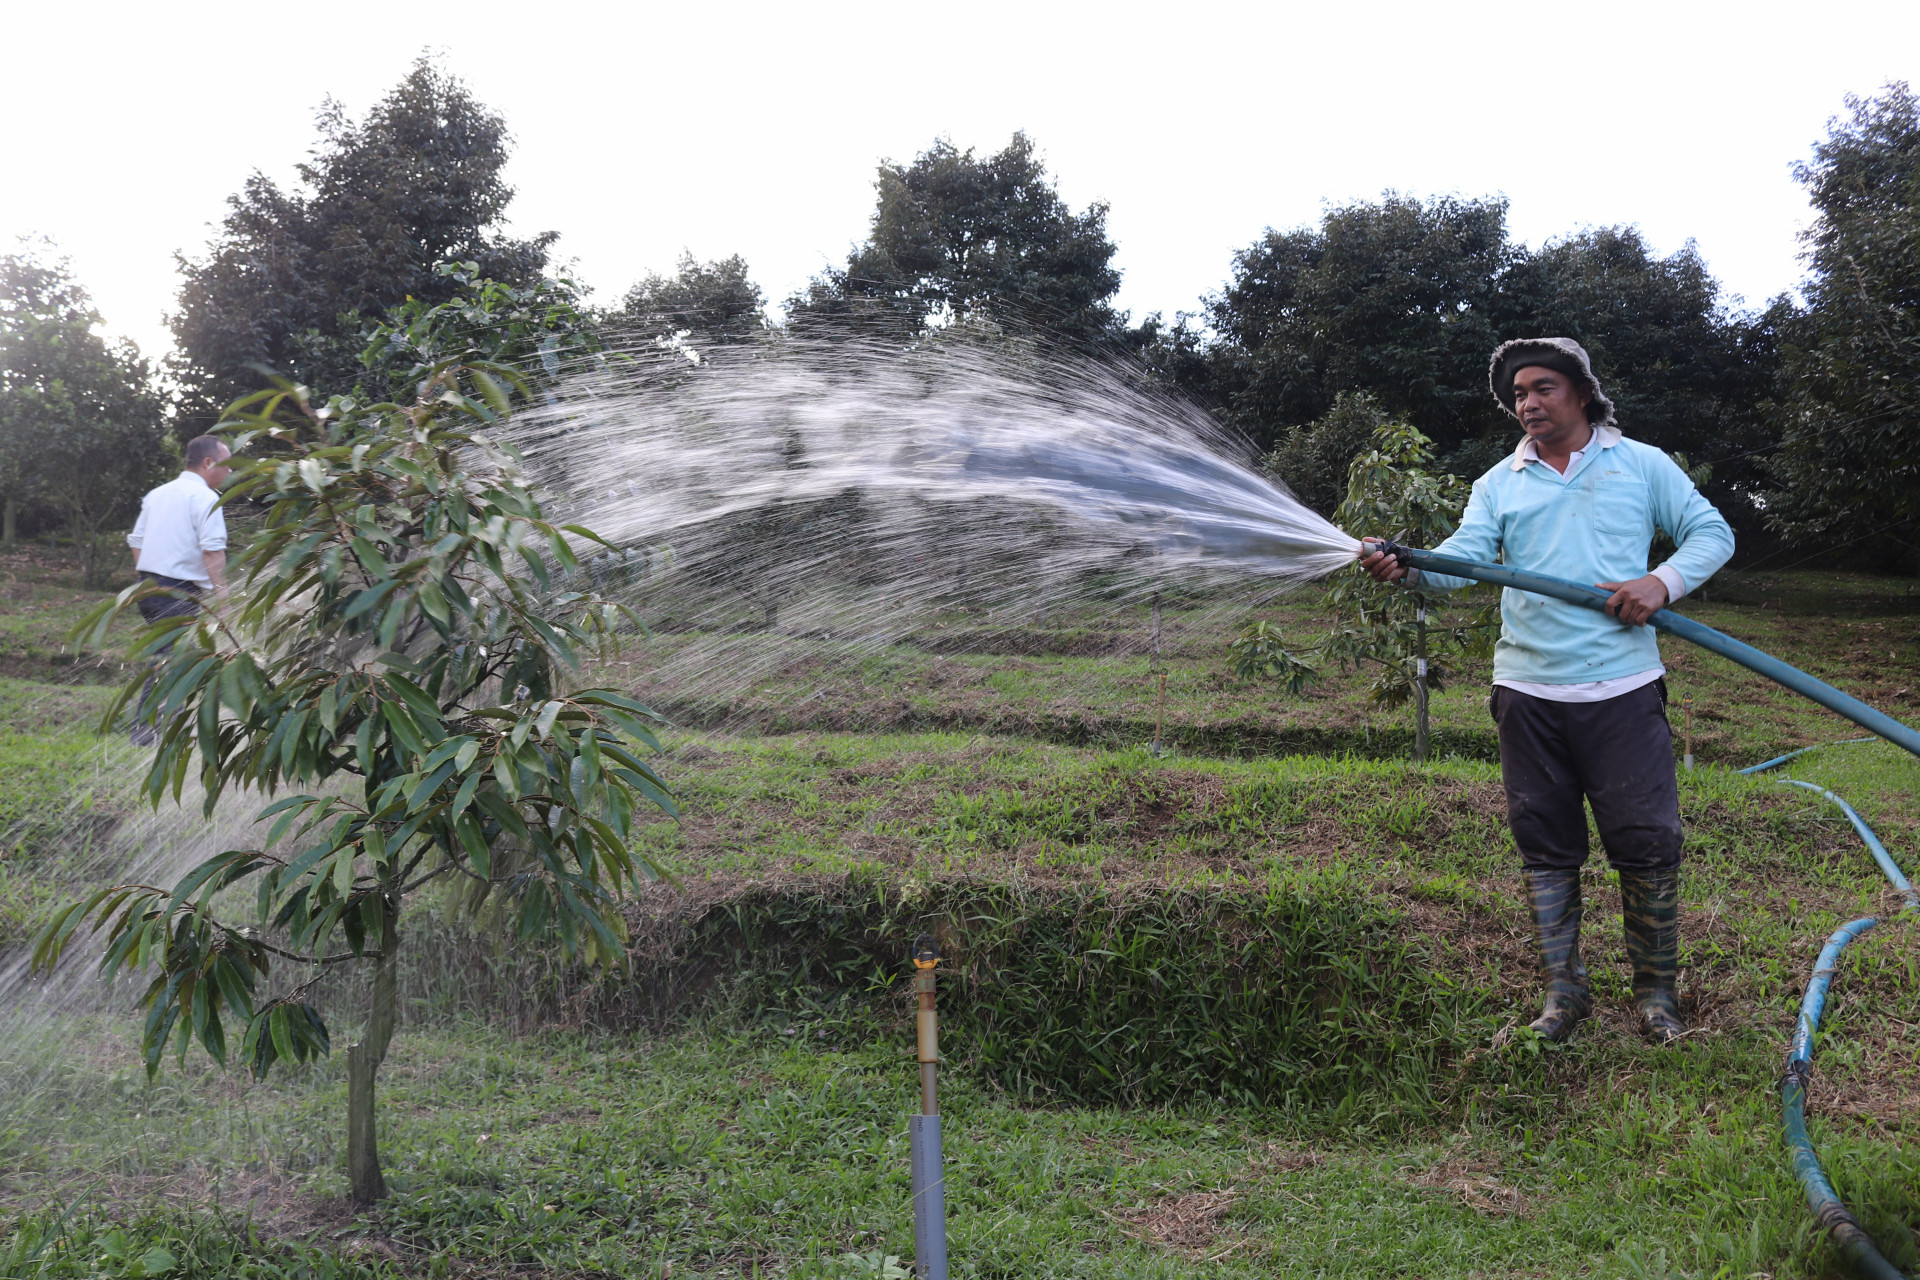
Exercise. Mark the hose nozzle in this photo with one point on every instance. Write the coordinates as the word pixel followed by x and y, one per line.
pixel 1399 551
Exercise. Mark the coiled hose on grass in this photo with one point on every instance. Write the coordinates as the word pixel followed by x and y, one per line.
pixel 1828 1210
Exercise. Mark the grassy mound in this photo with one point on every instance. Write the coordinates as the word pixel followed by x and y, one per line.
pixel 1303 993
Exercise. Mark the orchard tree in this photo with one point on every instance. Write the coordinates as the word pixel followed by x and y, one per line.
pixel 1849 412
pixel 537 327
pixel 81 428
pixel 1409 639
pixel 396 662
pixel 1395 298
pixel 1405 300
pixel 1314 460
pixel 982 237
pixel 296 278
pixel 709 301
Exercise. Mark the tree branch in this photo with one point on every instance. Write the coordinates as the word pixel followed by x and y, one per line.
pixel 437 873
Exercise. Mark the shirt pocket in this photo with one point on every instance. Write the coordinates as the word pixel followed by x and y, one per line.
pixel 1622 528
pixel 1623 508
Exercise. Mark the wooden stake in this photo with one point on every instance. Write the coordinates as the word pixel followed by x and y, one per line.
pixel 1160 712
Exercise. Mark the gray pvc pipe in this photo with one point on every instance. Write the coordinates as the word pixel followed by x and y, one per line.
pixel 929 1197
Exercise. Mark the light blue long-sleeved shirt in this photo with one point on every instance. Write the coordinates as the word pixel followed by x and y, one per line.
pixel 1594 524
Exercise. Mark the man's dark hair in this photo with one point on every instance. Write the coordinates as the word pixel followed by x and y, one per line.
pixel 203 449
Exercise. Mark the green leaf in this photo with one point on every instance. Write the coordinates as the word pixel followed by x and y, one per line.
pixel 429 785
pixel 424 708
pixel 451 749
pixel 404 730
pixel 369 557
pixel 475 844
pixel 464 796
pixel 490 391
pixel 584 532
pixel 362 601
pixel 503 813
pixel 504 775
pixel 434 603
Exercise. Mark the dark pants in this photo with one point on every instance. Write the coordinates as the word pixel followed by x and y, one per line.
pixel 181 600
pixel 1617 755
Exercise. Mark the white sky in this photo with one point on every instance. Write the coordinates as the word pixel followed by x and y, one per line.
pixel 642 128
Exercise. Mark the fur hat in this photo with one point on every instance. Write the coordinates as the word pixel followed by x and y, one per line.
pixel 1562 355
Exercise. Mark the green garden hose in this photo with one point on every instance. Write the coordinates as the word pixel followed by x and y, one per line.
pixel 1847 1233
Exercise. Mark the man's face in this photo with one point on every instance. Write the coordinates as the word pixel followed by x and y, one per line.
pixel 216 471
pixel 1548 405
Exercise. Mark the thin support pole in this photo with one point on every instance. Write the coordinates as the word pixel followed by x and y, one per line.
pixel 1420 688
pixel 1686 705
pixel 1160 714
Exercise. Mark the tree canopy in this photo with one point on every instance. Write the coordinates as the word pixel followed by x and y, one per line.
pixel 81 427
pixel 987 238
pixel 1848 416
pixel 295 278
pixel 709 301
pixel 1395 298
pixel 1406 300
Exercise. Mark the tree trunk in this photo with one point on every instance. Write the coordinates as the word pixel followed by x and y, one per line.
pixel 90 574
pixel 363 1065
pixel 9 523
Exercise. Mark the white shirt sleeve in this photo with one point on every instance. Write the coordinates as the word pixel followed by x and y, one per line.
pixel 213 530
pixel 1676 585
pixel 139 534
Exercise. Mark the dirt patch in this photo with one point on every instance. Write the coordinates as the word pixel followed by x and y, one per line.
pixel 1278 1158
pixel 277 1204
pixel 1027 642
pixel 62 668
pixel 1472 1183
pixel 1192 1225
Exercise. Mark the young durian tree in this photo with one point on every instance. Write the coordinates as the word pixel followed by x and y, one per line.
pixel 1410 639
pixel 393 667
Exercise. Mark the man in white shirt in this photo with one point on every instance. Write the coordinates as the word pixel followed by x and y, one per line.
pixel 180 544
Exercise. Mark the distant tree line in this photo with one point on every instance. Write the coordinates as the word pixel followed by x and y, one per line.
pixel 82 425
pixel 1799 417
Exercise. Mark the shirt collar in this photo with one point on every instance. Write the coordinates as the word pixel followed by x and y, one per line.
pixel 1524 452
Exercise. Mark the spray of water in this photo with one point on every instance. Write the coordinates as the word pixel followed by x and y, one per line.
pixel 841 492
pixel 794 497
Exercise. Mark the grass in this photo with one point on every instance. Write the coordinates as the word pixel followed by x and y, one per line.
pixel 1226 1012
pixel 724 1148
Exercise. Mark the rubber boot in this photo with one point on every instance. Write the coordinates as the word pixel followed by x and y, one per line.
pixel 1650 910
pixel 1554 898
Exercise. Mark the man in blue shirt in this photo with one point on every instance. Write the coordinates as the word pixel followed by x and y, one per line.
pixel 1579 697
